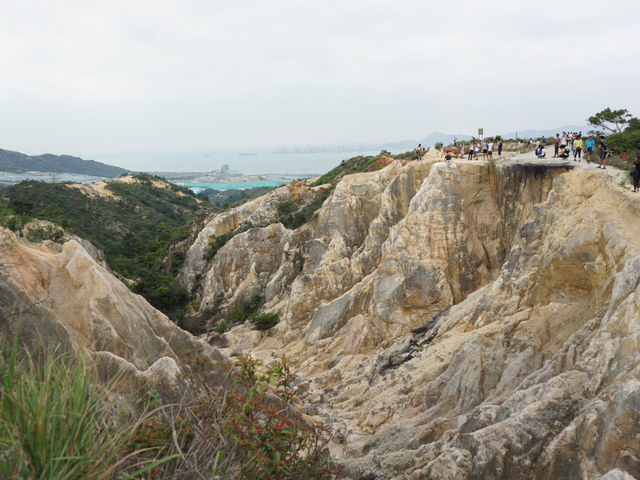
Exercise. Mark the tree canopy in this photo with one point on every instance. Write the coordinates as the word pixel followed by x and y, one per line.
pixel 615 121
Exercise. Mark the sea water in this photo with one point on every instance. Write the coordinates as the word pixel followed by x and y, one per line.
pixel 284 166
pixel 249 162
pixel 201 186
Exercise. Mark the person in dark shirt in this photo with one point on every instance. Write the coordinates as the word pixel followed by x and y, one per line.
pixel 635 173
pixel 604 151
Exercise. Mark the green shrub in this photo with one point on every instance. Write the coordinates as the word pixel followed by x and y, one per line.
pixel 40 233
pixel 628 141
pixel 196 325
pixel 238 316
pixel 253 305
pixel 248 428
pixel 222 326
pixel 264 321
pixel 293 216
pixel 216 243
pixel 287 207
pixel 55 424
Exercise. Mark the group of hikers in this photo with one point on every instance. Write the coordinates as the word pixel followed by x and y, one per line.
pixel 565 146
pixel 476 148
pixel 571 143
pixel 486 147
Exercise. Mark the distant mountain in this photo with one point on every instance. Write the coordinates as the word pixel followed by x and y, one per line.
pixel 428 141
pixel 19 162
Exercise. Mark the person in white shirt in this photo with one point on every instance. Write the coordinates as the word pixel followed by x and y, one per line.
pixel 490 149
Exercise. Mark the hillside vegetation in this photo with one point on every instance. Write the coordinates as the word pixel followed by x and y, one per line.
pixel 229 198
pixel 361 163
pixel 135 230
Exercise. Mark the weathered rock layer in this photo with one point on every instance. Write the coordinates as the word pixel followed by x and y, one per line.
pixel 61 295
pixel 472 321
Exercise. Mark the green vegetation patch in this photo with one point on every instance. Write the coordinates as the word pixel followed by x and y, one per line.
pixel 55 423
pixel 293 214
pixel 216 243
pixel 360 164
pixel 264 321
pixel 45 232
pixel 223 199
pixel 135 231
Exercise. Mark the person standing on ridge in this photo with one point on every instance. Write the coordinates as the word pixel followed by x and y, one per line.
pixel 604 151
pixel 591 145
pixel 472 148
pixel 556 145
pixel 490 149
pixel 635 173
pixel 420 151
pixel 499 148
pixel 577 144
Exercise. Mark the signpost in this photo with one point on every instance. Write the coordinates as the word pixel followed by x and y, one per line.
pixel 481 133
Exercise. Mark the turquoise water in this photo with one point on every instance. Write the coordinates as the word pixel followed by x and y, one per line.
pixel 259 162
pixel 199 187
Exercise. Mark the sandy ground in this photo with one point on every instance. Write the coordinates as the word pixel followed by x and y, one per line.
pixel 97 189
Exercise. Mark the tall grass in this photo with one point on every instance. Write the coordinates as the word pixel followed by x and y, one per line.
pixel 55 423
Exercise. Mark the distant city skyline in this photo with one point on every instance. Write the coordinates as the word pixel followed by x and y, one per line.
pixel 94 79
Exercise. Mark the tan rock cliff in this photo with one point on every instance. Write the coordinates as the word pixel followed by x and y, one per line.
pixel 472 321
pixel 62 295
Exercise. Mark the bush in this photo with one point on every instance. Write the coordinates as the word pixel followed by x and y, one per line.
pixel 45 232
pixel 194 325
pixel 222 327
pixel 628 141
pixel 247 428
pixel 293 216
pixel 55 424
pixel 264 321
pixel 216 243
pixel 253 305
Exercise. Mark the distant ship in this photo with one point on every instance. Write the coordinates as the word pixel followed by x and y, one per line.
pixel 247 154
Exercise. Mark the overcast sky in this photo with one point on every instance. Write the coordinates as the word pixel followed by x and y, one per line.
pixel 91 77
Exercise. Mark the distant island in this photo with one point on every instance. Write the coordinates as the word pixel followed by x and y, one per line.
pixel 16 162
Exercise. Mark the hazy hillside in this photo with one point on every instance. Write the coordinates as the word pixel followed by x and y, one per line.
pixel 133 219
pixel 19 162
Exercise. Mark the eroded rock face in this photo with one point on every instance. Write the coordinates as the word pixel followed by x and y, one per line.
pixel 62 295
pixel 472 321
pixel 260 211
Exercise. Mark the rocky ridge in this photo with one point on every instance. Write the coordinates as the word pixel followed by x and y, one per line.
pixel 469 321
pixel 62 295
